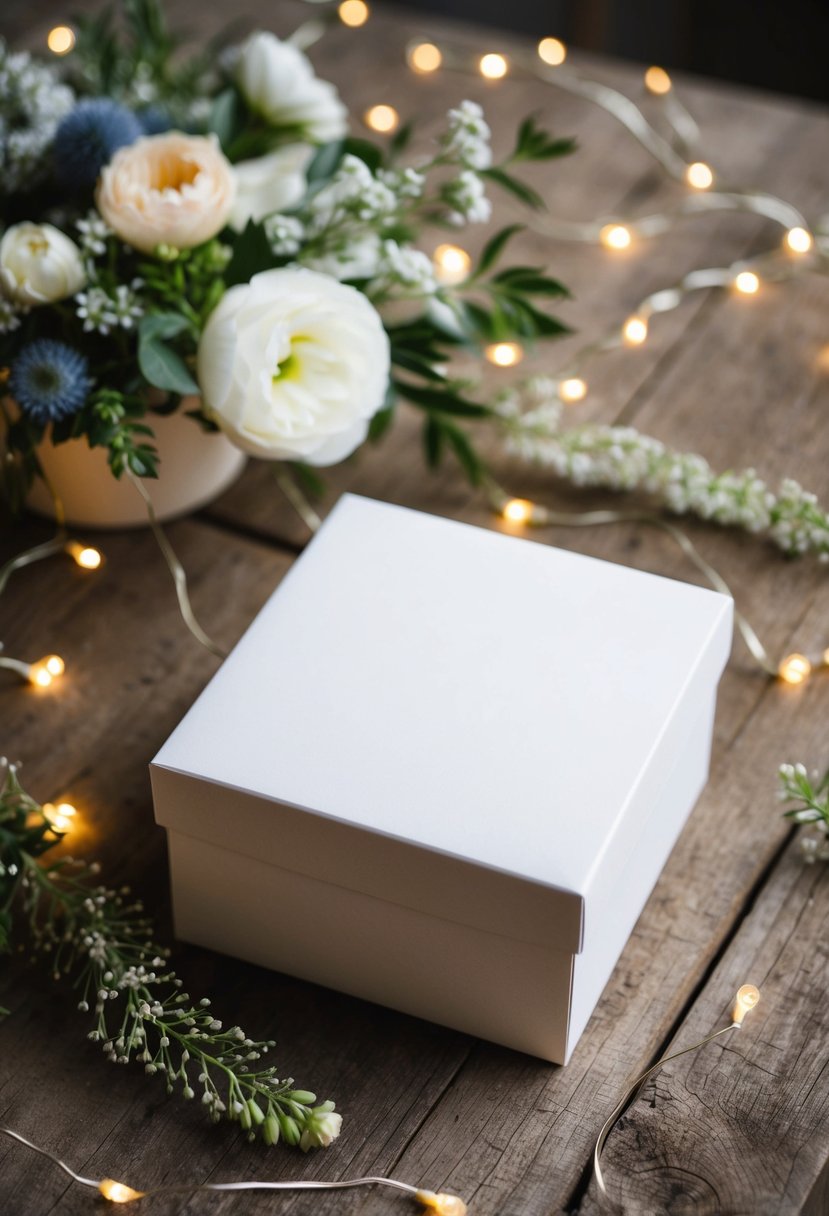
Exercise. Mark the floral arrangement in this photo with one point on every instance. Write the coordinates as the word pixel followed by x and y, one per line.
pixel 206 235
pixel 101 940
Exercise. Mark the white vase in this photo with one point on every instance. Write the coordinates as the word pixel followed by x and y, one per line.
pixel 195 466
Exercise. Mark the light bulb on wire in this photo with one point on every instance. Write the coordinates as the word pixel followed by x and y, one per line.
pixel 493 66
pixel 44 672
pixel 799 240
pixel 381 118
pixel 794 669
pixel 699 175
pixel 61 39
pixel 86 556
pixel 452 264
pixel 657 81
pixel 572 389
pixel 635 331
pixel 517 510
pixel 504 354
pixel 353 13
pixel 61 816
pixel 615 236
pixel 747 283
pixel 425 57
pixel 552 51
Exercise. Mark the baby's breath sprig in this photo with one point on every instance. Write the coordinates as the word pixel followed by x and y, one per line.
pixel 810 798
pixel 102 940
pixel 622 458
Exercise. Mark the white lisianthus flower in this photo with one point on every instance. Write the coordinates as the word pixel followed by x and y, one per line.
pixel 293 365
pixel 169 189
pixel 39 264
pixel 271 183
pixel 323 1127
pixel 278 82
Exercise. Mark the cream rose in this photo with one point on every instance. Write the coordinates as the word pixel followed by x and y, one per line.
pixel 169 189
pixel 39 264
pixel 293 365
pixel 275 182
pixel 278 82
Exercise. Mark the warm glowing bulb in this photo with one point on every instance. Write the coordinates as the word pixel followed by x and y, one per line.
pixel 699 175
pixel 504 354
pixel 799 240
pixel 745 1000
pixel 44 671
pixel 494 67
pixel 657 81
pixel 572 389
pixel 60 40
pixel 615 236
pixel 517 510
pixel 60 817
pixel 425 57
pixel 635 330
pixel 451 263
pixel 826 658
pixel 353 13
pixel 552 51
pixel 382 118
pixel 747 283
pixel 794 669
pixel 87 557
pixel 118 1192
pixel 441 1203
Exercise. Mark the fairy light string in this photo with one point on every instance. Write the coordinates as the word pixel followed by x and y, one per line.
pixel 439 1202
pixel 747 998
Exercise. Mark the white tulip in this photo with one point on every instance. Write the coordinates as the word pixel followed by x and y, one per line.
pixel 39 264
pixel 293 365
pixel 271 183
pixel 278 82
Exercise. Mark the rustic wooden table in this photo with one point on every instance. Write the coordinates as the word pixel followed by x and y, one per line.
pixel 737 1128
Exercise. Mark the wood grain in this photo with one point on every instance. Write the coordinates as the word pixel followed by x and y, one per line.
pixel 737 1129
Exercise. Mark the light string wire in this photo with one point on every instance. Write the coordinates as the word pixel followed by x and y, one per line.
pixel 747 998
pixel 442 1203
pixel 177 571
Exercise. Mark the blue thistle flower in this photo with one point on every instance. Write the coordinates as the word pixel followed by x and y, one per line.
pixel 154 120
pixel 49 380
pixel 87 138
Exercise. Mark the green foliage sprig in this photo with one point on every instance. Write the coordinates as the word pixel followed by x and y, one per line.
pixel 102 941
pixel 809 797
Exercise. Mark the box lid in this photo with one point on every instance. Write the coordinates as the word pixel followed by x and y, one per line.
pixel 447 717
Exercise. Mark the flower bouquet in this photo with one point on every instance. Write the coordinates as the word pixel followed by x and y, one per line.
pixel 202 236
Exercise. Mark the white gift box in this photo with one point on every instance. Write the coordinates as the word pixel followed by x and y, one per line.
pixel 443 770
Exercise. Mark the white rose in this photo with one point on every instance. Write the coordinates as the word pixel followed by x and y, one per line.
pixel 293 365
pixel 270 183
pixel 278 82
pixel 39 264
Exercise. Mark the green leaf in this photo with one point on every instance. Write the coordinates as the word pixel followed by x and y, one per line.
pixel 444 401
pixel 433 434
pixel 518 188
pixel 226 117
pixel 251 253
pixel 533 143
pixel 160 365
pixel 308 478
pixel 467 457
pixel 495 247
pixel 400 140
pixel 380 423
pixel 325 161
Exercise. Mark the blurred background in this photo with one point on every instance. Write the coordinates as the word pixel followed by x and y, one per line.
pixel 780 45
